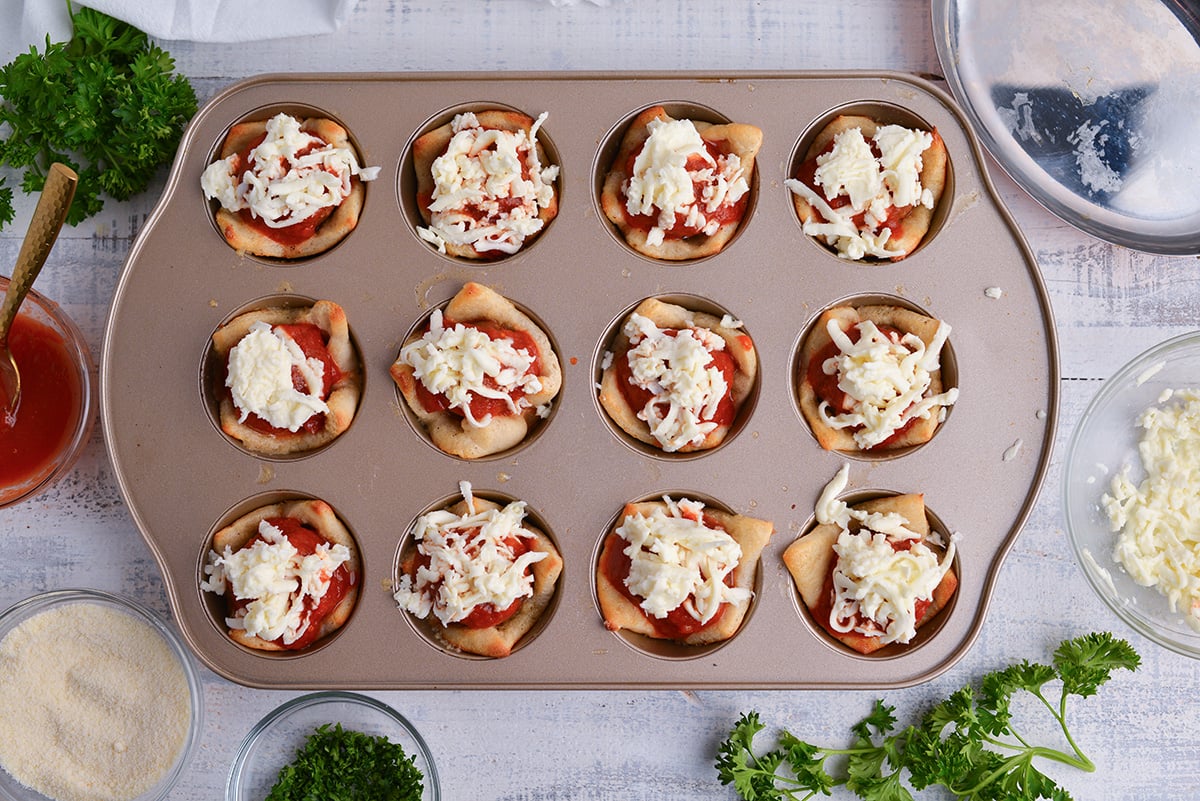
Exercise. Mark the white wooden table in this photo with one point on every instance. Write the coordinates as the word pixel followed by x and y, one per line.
pixel 1109 303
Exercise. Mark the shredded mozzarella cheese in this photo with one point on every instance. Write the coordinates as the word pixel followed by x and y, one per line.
pixel 676 560
pixel 290 176
pixel 885 381
pixel 260 379
pixel 674 366
pixel 1158 521
pixel 471 562
pixel 461 362
pixel 280 584
pixel 662 184
pixel 488 188
pixel 876 587
pixel 874 185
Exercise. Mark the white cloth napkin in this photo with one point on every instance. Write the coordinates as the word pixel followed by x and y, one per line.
pixel 190 20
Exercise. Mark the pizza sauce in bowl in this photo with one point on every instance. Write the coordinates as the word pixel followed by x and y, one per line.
pixel 42 442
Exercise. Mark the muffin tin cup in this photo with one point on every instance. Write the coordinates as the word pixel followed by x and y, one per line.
pixel 179 475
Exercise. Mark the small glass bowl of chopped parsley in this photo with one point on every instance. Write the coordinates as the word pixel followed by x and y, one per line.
pixel 1130 483
pixel 334 746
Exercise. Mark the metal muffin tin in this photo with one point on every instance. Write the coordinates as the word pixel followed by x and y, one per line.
pixel 182 478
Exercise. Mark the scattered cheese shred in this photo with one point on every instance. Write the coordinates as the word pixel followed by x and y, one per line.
pixel 462 362
pixel 280 584
pixel 664 185
pixel 260 379
pixel 876 586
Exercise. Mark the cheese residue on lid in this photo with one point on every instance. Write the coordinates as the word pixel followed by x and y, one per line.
pixel 662 183
pixel 280 584
pixel 1158 521
pixel 488 188
pixel 885 381
pixel 290 175
pixel 674 365
pixel 471 561
pixel 876 586
pixel 260 379
pixel 461 362
pixel 873 184
pixel 677 560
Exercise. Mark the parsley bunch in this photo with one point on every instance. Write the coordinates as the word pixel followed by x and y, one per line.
pixel 104 103
pixel 968 743
pixel 337 764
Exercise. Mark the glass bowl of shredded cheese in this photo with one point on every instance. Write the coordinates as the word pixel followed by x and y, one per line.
pixel 1131 494
pixel 101 700
pixel 277 743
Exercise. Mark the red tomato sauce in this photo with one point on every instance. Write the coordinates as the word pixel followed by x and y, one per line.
pixel 481 406
pixel 294 233
pixel 679 623
pixel 723 214
pixel 485 615
pixel 826 388
pixel 637 397
pixel 51 403
pixel 305 541
pixel 313 343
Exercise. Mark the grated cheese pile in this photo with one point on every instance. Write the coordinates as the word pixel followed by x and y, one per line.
pixel 676 560
pixel 462 362
pixel 675 368
pixel 873 185
pixel 96 705
pixel 886 381
pixel 662 184
pixel 1158 521
pixel 488 188
pixel 280 584
pixel 871 578
pixel 471 561
pixel 260 379
pixel 278 185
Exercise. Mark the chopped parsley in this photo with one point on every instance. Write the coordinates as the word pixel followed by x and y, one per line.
pixel 337 764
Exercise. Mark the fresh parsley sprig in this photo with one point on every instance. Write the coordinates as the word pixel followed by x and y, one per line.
pixel 337 764
pixel 967 743
pixel 105 103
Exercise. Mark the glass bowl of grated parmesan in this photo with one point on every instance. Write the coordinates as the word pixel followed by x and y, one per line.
pixel 101 700
pixel 1131 494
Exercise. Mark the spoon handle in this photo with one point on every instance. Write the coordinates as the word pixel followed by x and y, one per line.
pixel 47 221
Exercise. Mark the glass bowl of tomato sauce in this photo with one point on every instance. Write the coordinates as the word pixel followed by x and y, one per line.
pixel 54 420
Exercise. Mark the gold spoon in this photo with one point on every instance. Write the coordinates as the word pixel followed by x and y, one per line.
pixel 47 221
